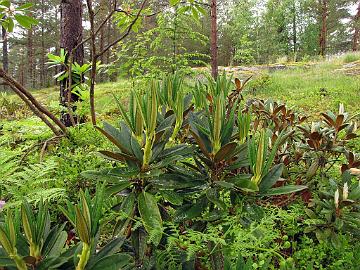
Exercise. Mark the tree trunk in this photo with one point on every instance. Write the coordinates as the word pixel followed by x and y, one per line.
pixel 5 50
pixel 43 72
pixel 214 40
pixel 30 59
pixel 356 35
pixel 294 30
pixel 70 36
pixel 103 11
pixel 21 70
pixel 323 30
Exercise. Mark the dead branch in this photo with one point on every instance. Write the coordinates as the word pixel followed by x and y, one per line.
pixel 24 94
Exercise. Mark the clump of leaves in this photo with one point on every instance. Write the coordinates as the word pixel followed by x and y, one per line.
pixel 336 211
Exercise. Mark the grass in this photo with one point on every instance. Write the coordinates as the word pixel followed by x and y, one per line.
pixel 351 57
pixel 314 89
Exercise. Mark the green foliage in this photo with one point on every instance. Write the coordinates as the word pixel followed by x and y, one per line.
pixel 28 239
pixel 10 14
pixel 311 254
pixel 335 212
pixel 164 48
pixel 351 57
pixel 11 108
pixel 78 72
pixel 253 237
pixel 219 194
pixel 34 182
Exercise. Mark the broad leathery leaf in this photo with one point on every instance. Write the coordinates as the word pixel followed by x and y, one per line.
pixel 246 185
pixel 109 175
pixel 201 144
pixel 225 152
pixel 271 177
pixel 172 197
pixel 191 211
pixel 127 205
pixel 139 241
pixel 115 136
pixel 166 124
pixel 5 3
pixel 127 209
pixel 25 21
pixel 114 189
pixel 213 195
pixel 129 141
pixel 178 150
pixel 284 190
pixel 355 194
pixel 85 204
pixel 9 24
pixel 24 6
pixel 243 182
pixel 117 156
pixel 114 262
pixel 27 221
pixel 224 184
pixel 5 241
pixel 55 241
pixel 110 249
pixel 136 149
pixel 81 226
pixel 312 169
pixel 11 229
pixel 150 214
pixel 228 128
pixel 311 214
pixel 214 215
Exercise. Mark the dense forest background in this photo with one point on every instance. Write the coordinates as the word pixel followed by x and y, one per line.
pixel 250 32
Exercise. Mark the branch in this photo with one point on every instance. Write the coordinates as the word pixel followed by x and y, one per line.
pixel 126 33
pixel 31 99
pixel 34 109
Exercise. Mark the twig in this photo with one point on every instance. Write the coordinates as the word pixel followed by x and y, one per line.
pixel 95 55
pixel 126 33
pixel 30 99
pixel 43 149
pixel 35 110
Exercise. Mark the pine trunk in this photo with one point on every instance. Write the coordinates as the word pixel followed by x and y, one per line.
pixel 356 35
pixel 5 50
pixel 214 40
pixel 323 30
pixel 43 73
pixel 30 58
pixel 294 31
pixel 71 33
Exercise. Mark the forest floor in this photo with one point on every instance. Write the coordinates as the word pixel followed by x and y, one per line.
pixel 311 88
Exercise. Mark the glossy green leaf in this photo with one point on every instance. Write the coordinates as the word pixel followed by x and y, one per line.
pixel 116 188
pixel 117 261
pixel 150 214
pixel 271 177
pixel 284 190
pixel 226 152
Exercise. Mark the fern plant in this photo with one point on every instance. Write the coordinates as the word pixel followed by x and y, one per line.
pixel 33 182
